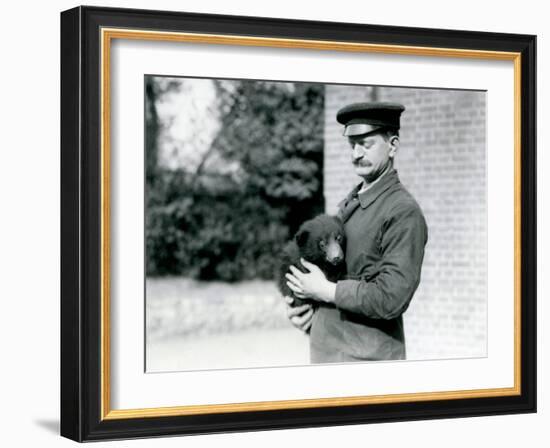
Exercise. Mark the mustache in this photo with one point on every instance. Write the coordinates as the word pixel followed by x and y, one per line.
pixel 362 163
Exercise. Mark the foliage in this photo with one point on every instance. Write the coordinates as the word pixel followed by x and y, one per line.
pixel 231 223
pixel 208 234
pixel 275 132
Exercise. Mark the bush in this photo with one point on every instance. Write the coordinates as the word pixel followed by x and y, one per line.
pixel 230 236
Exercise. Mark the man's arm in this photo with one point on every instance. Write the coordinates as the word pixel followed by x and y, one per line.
pixel 388 295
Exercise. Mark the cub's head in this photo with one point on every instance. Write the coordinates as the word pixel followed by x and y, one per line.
pixel 321 241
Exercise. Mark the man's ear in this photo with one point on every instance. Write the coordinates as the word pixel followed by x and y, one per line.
pixel 394 146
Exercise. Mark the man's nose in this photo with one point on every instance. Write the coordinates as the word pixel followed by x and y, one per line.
pixel 357 152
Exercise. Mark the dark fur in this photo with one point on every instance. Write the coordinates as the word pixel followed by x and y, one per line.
pixel 320 241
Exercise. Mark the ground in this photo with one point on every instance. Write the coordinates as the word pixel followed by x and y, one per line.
pixel 244 349
pixel 214 325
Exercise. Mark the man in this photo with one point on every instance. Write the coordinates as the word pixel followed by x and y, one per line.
pixel 360 318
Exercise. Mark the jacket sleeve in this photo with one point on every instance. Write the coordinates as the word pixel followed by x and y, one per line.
pixel 388 294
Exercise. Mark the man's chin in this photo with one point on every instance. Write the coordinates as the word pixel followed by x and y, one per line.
pixel 363 171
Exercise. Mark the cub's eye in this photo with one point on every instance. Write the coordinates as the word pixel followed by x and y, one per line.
pixel 322 244
pixel 339 238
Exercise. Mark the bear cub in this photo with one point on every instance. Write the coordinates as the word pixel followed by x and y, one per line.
pixel 320 241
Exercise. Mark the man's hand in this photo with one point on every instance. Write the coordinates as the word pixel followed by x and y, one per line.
pixel 300 316
pixel 310 285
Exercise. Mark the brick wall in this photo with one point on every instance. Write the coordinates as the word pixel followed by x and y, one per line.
pixel 442 162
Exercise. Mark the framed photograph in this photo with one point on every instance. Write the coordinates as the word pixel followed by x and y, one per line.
pixel 275 223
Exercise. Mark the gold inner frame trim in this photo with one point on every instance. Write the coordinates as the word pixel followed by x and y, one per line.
pixel 107 34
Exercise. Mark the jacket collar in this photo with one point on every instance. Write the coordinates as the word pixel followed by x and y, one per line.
pixel 366 198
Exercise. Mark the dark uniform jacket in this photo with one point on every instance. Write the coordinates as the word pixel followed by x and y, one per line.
pixel 386 233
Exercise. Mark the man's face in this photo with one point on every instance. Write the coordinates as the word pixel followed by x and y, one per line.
pixel 371 154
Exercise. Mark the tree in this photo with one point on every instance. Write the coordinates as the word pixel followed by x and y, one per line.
pixel 275 132
pixel 155 90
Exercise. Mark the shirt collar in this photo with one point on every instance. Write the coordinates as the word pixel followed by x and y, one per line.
pixel 370 195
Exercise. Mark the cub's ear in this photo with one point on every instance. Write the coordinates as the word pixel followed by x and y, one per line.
pixel 301 237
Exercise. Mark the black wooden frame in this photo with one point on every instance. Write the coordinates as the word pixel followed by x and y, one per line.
pixel 81 223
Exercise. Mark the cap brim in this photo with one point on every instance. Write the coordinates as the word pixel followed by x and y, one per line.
pixel 359 129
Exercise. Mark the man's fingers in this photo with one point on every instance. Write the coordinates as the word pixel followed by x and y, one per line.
pixel 296 290
pixel 299 321
pixel 293 280
pixel 296 272
pixel 300 316
pixel 298 310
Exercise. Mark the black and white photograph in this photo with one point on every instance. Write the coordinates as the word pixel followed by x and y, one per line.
pixel 275 224
pixel 295 223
